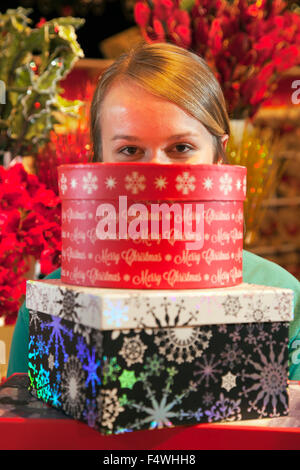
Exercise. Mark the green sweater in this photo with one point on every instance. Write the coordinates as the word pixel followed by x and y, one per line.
pixel 256 270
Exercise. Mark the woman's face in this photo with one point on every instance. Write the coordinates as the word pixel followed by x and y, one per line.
pixel 137 126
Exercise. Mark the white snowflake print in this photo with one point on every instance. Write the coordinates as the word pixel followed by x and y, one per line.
pixel 133 350
pixel 257 311
pixel 135 182
pixel 110 182
pixel 225 184
pixel 110 407
pixel 73 183
pixel 232 305
pixel 244 185
pixel 284 306
pixel 73 387
pixel 185 182
pixel 90 183
pixel 238 184
pixel 182 344
pixel 207 183
pixel 228 381
pixel 63 183
pixel 160 182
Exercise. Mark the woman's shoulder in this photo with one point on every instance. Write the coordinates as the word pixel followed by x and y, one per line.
pixel 54 275
pixel 257 270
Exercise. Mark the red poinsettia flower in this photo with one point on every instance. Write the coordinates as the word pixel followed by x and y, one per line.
pixel 30 225
pixel 247 42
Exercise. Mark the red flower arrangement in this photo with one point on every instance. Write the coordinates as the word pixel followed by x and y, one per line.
pixel 247 43
pixel 30 225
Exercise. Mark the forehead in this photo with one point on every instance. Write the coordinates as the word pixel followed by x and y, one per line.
pixel 129 106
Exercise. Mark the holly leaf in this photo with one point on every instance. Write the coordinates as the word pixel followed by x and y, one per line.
pixel 67 106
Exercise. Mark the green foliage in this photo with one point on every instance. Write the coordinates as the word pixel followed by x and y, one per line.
pixel 32 63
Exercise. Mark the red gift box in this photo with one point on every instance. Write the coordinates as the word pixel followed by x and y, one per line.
pixel 152 226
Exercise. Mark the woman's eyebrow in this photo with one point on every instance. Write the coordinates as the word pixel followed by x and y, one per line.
pixel 172 137
pixel 125 137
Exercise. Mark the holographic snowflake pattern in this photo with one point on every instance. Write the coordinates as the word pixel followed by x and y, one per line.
pixel 172 375
pixel 73 387
pixel 182 344
pixel 268 374
pixel 224 409
pixel 115 313
pixel 159 407
pixel 58 330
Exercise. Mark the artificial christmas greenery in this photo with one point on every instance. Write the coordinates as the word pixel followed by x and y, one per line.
pixel 32 63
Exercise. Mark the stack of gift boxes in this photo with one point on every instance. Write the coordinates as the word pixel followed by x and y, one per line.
pixel 156 328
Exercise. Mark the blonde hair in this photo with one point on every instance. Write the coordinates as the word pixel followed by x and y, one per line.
pixel 173 73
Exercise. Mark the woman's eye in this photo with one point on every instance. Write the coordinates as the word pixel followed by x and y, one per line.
pixel 181 148
pixel 129 150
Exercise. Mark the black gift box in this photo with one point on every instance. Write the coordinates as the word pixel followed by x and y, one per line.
pixel 168 368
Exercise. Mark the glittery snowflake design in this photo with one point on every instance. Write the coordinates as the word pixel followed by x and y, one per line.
pixel 110 182
pixel 90 413
pixel 228 381
pixel 266 392
pixel 224 409
pixel 225 184
pixel 207 370
pixel 58 330
pixel 90 183
pixel 257 311
pixel 133 350
pixel 284 306
pixel 159 407
pixel 153 365
pixel 34 319
pixel 160 182
pixel 69 305
pixel 182 344
pixel 169 313
pixel 110 407
pixel 73 387
pixel 42 382
pixel 63 183
pixel 135 182
pixel 91 368
pixel 115 312
pixel 232 355
pixel 255 333
pixel 110 370
pixel 185 183
pixel 51 363
pixel 232 305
